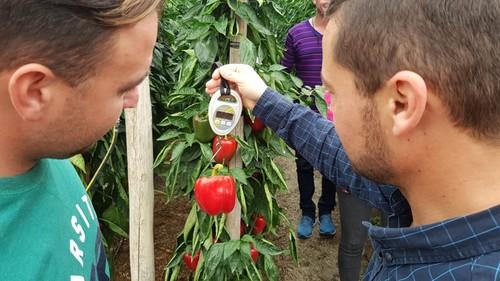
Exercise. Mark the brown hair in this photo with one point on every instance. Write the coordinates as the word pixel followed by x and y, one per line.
pixel 64 35
pixel 453 45
pixel 334 6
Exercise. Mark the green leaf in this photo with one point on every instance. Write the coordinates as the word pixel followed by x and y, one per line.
pixel 122 193
pixel 79 162
pixel 190 140
pixel 246 12
pixel 205 19
pixel 219 226
pixel 178 150
pixel 240 175
pixel 248 52
pixel 206 49
pixel 169 134
pixel 205 223
pixel 198 31
pixel 190 154
pixel 198 271
pixel 243 200
pixel 190 222
pixel 269 198
pixel 270 268
pixel 163 154
pixel 206 151
pixel 296 81
pixel 179 252
pixel 230 247
pixel 278 76
pixel 116 220
pixel 278 173
pixel 213 259
pixel 293 246
pixel 187 69
pixel 276 67
pixel 171 180
pixel 245 247
pixel 235 265
pixel 196 234
pixel 221 25
pixel 191 110
pixel 179 121
pixel 115 228
pixel 186 91
pixel 172 273
pixel 267 248
pixel 272 48
pixel 320 103
pixel 211 6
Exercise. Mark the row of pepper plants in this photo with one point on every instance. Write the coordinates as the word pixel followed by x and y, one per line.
pixel 192 36
pixel 190 43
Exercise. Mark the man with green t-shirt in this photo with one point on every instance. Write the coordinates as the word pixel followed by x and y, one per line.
pixel 67 70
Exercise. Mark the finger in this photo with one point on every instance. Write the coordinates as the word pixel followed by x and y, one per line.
pixel 213 83
pixel 216 74
pixel 231 74
pixel 212 91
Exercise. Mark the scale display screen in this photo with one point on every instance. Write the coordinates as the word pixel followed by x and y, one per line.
pixel 224 115
pixel 224 111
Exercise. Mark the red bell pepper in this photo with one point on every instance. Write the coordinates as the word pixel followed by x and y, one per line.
pixel 243 228
pixel 256 124
pixel 216 194
pixel 224 148
pixel 190 261
pixel 259 224
pixel 254 253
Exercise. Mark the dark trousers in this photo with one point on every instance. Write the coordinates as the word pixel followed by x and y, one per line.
pixel 305 178
pixel 353 211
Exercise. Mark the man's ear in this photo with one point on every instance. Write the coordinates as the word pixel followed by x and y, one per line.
pixel 29 90
pixel 408 101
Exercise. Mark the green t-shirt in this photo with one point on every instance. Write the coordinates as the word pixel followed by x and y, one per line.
pixel 48 227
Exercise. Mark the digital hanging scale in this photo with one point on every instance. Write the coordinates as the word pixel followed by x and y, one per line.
pixel 224 109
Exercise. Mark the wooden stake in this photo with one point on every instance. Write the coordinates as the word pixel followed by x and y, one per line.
pixel 141 187
pixel 234 218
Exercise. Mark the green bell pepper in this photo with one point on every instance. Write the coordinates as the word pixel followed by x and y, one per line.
pixel 202 130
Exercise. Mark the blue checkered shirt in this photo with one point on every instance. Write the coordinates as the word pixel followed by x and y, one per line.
pixel 463 248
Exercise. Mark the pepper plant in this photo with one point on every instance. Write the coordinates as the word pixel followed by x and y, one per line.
pixel 189 45
pixel 194 34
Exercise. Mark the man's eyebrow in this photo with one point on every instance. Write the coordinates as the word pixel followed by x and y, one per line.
pixel 131 85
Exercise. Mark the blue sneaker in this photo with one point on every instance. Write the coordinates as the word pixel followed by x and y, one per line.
pixel 326 226
pixel 305 227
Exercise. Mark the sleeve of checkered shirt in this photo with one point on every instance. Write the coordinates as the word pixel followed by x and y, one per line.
pixel 315 138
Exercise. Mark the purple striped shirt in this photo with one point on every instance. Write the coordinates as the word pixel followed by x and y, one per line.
pixel 303 53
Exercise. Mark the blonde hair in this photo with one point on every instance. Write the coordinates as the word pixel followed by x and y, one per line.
pixel 68 36
pixel 129 12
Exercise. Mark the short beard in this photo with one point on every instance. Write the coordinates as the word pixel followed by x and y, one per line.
pixel 374 162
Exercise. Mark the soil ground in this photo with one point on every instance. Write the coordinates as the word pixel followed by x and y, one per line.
pixel 317 256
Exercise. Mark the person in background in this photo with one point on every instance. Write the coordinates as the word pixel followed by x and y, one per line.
pixel 61 91
pixel 416 97
pixel 303 54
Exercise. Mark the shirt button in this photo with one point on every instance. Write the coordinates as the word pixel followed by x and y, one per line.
pixel 388 257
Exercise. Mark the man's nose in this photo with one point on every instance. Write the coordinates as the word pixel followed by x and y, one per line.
pixel 131 98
